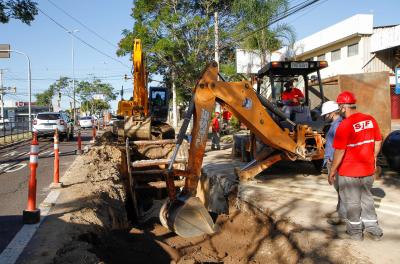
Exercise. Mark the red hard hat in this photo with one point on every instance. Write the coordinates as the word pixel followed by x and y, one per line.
pixel 346 97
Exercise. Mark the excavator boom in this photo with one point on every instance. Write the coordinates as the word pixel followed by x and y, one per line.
pixel 138 106
pixel 245 104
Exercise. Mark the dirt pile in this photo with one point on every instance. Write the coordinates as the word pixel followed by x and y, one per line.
pixel 103 209
pixel 92 226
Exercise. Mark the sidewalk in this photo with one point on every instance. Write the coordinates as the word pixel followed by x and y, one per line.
pixel 291 191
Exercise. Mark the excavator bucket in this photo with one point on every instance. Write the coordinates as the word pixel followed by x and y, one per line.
pixel 188 218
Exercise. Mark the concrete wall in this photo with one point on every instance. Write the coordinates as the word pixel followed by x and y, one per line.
pixel 372 91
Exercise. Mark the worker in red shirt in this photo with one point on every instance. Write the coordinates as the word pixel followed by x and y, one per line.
pixel 357 143
pixel 292 95
pixel 215 132
pixel 291 99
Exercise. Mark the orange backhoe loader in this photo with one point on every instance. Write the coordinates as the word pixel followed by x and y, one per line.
pixel 183 212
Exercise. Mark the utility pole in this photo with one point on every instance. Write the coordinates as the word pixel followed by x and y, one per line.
pixel 174 107
pixel 122 93
pixel 216 38
pixel 1 94
pixel 73 71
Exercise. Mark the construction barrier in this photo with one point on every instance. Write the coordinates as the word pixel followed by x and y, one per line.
pixel 32 214
pixel 79 140
pixel 56 176
pixel 94 133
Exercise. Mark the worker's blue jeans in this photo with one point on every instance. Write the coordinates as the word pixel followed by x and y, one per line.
pixel 359 204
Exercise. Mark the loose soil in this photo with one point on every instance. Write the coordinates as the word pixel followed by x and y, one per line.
pixel 91 224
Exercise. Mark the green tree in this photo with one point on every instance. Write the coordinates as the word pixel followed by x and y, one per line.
pixel 255 14
pixel 178 36
pixel 86 92
pixel 45 98
pixel 60 86
pixel 23 10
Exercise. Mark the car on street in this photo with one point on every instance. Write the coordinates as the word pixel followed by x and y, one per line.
pixel 112 120
pixel 86 122
pixel 5 124
pixel 46 123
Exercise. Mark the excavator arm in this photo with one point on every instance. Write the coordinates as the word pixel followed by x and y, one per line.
pixel 245 104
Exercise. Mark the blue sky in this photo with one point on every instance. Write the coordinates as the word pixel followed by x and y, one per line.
pixel 49 46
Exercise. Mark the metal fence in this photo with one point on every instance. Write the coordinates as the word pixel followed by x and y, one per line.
pixel 12 131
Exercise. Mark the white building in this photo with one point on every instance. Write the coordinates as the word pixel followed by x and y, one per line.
pixel 353 45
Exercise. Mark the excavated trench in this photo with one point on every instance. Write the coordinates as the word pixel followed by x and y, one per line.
pixel 245 235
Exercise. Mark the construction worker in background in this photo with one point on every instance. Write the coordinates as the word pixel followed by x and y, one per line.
pixel 226 116
pixel 330 111
pixel 291 99
pixel 215 132
pixel 357 143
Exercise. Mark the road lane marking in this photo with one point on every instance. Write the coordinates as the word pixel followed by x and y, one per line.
pixel 44 152
pixel 14 249
pixel 16 167
pixel 10 154
pixel 4 165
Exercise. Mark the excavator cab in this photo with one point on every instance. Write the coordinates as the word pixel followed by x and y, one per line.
pixel 306 75
pixel 158 97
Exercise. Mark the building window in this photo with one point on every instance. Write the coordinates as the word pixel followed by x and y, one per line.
pixel 321 57
pixel 352 50
pixel 335 55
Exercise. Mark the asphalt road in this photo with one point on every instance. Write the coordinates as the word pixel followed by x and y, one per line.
pixel 14 175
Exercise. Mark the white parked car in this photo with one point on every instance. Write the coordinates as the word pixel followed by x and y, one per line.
pixel 86 122
pixel 46 123
pixel 5 124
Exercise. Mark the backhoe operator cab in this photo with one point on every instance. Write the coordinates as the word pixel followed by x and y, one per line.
pixel 158 97
pixel 285 76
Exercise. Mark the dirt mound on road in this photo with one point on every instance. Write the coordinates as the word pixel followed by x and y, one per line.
pixel 91 225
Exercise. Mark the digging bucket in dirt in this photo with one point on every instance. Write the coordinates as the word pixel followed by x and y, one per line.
pixel 188 218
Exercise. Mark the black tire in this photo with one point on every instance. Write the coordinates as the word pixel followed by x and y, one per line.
pixel 318 165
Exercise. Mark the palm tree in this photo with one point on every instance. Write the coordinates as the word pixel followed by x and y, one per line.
pixel 255 14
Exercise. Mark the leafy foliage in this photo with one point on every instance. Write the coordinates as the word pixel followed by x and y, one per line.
pixel 85 92
pixel 24 10
pixel 178 36
pixel 44 98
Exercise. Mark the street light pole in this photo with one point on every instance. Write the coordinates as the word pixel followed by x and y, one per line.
pixel 73 72
pixel 29 83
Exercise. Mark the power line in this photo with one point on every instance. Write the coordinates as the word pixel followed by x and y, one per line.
pixel 292 10
pixel 83 25
pixel 83 41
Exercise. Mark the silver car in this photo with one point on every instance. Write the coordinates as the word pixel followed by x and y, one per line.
pixel 47 122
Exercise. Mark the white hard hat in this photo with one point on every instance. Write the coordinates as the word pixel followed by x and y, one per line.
pixel 329 107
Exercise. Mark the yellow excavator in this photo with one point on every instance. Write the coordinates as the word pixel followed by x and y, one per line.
pixel 144 116
pixel 183 212
pixel 149 140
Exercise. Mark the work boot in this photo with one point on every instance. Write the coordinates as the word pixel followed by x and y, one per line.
pixel 374 235
pixel 356 236
pixel 335 221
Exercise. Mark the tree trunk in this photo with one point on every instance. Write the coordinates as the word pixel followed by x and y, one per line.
pixel 174 107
